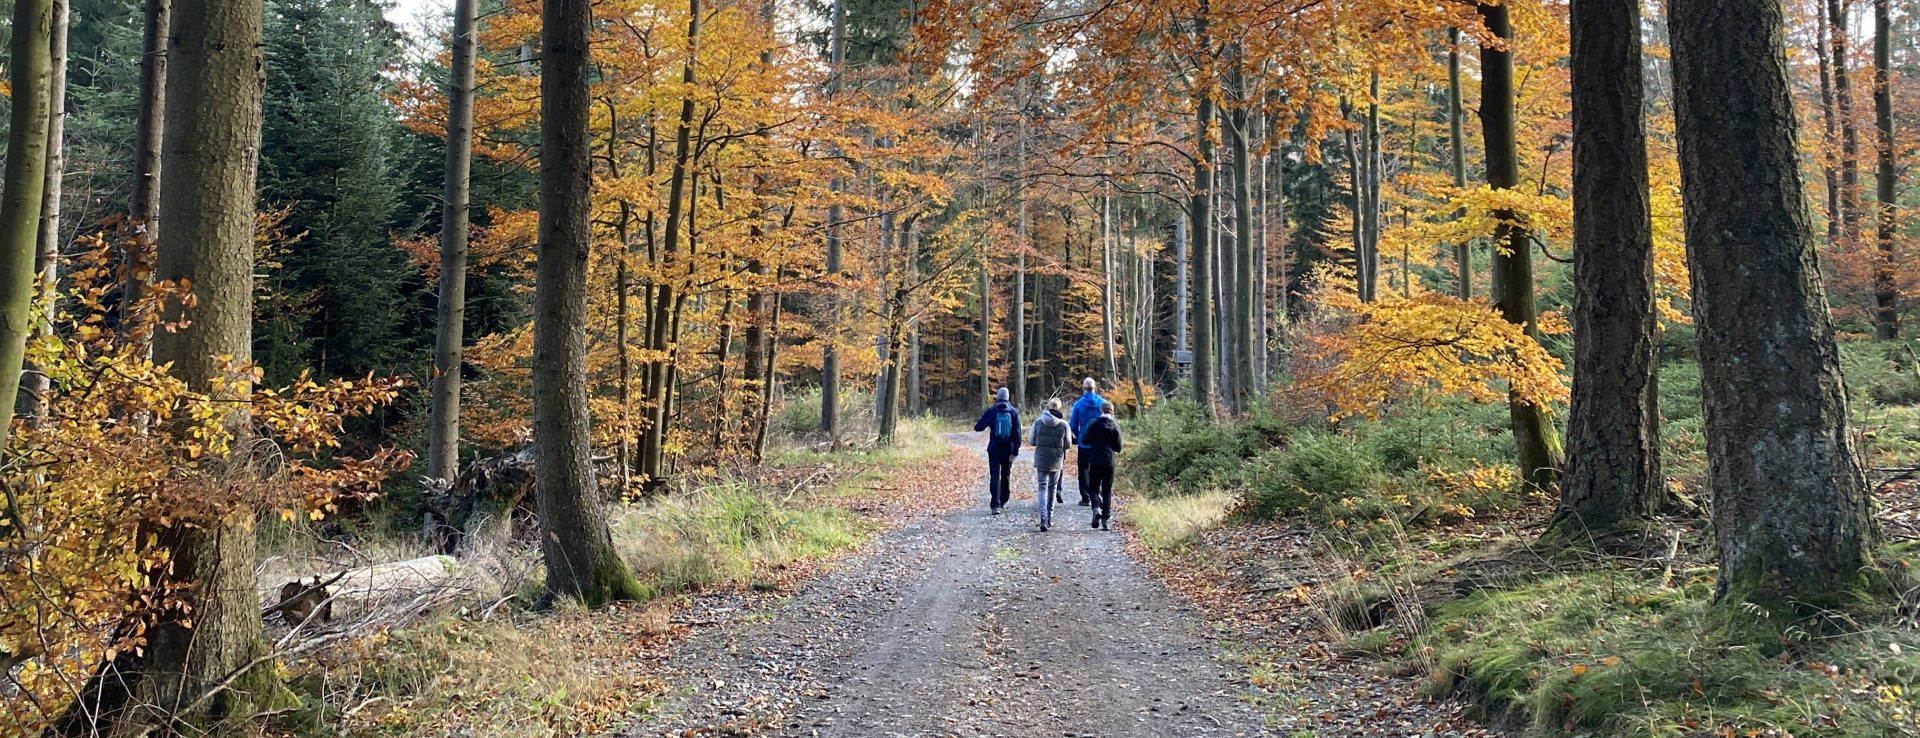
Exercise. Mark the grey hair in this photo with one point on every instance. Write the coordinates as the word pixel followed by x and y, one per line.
pixel 1002 394
pixel 1088 384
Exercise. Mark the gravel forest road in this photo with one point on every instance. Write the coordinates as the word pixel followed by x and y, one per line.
pixel 962 624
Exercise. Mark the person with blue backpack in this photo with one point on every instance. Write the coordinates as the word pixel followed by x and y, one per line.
pixel 1085 411
pixel 1003 444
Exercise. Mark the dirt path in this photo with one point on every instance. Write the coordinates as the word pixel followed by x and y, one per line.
pixel 963 624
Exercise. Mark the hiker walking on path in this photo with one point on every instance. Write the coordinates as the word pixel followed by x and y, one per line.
pixel 1085 411
pixel 1051 440
pixel 1003 444
pixel 1098 445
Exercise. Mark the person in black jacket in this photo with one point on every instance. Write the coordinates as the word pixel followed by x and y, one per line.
pixel 1100 442
pixel 1002 423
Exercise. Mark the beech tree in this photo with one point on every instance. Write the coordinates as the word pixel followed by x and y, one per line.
pixel 30 73
pixel 1534 435
pixel 1790 502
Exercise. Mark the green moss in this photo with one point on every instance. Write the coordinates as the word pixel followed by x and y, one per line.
pixel 1622 652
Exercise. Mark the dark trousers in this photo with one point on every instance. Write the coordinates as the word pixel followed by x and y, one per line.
pixel 999 479
pixel 1101 479
pixel 1086 485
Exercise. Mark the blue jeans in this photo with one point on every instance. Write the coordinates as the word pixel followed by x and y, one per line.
pixel 1048 483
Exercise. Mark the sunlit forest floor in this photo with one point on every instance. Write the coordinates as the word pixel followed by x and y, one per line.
pixel 1401 547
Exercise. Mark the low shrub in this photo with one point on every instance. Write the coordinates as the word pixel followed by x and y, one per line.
pixel 1177 448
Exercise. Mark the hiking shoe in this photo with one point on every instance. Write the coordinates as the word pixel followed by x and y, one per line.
pixel 1103 524
pixel 1095 523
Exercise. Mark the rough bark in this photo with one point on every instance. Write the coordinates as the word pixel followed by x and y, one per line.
pixel 1536 440
pixel 443 441
pixel 30 69
pixel 1790 502
pixel 575 541
pixel 215 85
pixel 1886 313
pixel 1613 431
pixel 1462 252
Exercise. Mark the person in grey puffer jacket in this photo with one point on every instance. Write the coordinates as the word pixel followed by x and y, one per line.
pixel 1051 439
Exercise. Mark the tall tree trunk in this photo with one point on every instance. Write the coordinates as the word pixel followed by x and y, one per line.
pixel 576 543
pixel 754 369
pixel 1243 283
pixel 1019 379
pixel 31 70
pixel 1372 218
pixel 1613 430
pixel 1357 203
pixel 1201 212
pixel 1180 261
pixel 1109 351
pixel 47 260
pixel 1535 438
pixel 1886 315
pixel 666 296
pixel 215 85
pixel 443 442
pixel 830 344
pixel 916 399
pixel 986 325
pixel 1830 140
pixel 1849 132
pixel 1790 499
pixel 1463 251
pixel 766 388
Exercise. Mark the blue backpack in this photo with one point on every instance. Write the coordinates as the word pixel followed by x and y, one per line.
pixel 1003 424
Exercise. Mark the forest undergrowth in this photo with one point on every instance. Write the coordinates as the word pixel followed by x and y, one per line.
pixel 496 661
pixel 1408 543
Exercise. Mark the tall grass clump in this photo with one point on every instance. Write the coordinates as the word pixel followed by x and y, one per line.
pixel 729 534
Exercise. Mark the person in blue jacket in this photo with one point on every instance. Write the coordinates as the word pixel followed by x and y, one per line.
pixel 1085 411
pixel 1002 422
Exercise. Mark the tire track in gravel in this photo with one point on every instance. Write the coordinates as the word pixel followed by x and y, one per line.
pixel 963 624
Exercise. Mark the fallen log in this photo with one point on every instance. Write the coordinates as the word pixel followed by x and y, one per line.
pixel 369 593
